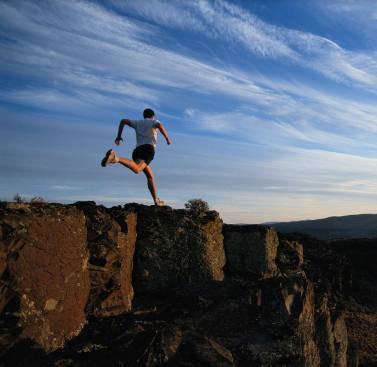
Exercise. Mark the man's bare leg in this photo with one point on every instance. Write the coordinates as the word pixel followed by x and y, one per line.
pixel 112 158
pixel 136 167
pixel 151 184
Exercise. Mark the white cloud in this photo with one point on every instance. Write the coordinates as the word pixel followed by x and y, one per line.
pixel 56 100
pixel 354 12
pixel 189 113
pixel 65 187
pixel 232 23
pixel 113 59
pixel 130 67
pixel 215 19
pixel 168 13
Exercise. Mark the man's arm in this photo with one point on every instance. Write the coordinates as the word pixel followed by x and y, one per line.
pixel 123 122
pixel 162 130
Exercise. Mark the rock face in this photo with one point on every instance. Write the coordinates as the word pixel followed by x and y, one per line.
pixel 175 248
pixel 251 250
pixel 44 277
pixel 283 289
pixel 206 294
pixel 307 329
pixel 333 276
pixel 290 256
pixel 111 245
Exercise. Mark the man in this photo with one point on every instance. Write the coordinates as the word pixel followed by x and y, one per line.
pixel 143 154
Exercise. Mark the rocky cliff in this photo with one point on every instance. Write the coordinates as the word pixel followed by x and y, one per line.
pixel 346 271
pixel 85 285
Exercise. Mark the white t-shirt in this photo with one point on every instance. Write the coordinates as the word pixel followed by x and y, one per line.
pixel 146 131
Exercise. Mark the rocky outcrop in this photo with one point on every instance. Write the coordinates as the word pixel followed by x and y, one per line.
pixel 176 247
pixel 283 289
pixel 44 277
pixel 251 250
pixel 307 329
pixel 157 286
pixel 331 334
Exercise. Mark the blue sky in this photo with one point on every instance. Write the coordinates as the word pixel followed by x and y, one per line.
pixel 271 105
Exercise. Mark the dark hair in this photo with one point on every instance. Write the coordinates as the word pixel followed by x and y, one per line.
pixel 148 113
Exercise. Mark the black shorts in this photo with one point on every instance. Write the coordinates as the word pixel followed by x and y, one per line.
pixel 143 152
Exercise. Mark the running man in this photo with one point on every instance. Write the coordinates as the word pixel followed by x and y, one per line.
pixel 143 154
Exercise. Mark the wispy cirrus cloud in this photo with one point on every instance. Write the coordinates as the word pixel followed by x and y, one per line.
pixel 355 11
pixel 149 68
pixel 218 19
pixel 226 21
pixel 296 112
pixel 274 131
pixel 118 59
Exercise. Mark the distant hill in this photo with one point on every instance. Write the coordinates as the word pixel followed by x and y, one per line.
pixel 349 226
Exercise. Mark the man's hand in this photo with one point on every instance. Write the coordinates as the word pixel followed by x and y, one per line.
pixel 168 141
pixel 118 140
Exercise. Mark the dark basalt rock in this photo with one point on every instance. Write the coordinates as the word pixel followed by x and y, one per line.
pixel 44 279
pixel 251 250
pixel 111 245
pixel 290 256
pixel 176 247
pixel 85 285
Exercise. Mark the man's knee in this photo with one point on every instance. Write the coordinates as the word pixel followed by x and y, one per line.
pixel 139 167
pixel 135 170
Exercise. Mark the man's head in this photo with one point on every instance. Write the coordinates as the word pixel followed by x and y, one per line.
pixel 148 113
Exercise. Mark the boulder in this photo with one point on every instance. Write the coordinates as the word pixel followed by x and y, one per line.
pixel 44 273
pixel 176 247
pixel 251 250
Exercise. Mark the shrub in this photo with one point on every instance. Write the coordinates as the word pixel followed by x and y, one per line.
pixel 37 199
pixel 18 198
pixel 197 205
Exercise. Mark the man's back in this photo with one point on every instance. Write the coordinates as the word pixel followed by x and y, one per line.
pixel 146 131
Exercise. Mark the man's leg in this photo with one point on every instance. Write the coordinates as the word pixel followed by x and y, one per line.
pixel 112 158
pixel 136 167
pixel 151 184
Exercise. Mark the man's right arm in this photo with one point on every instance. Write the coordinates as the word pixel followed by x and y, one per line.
pixel 122 122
